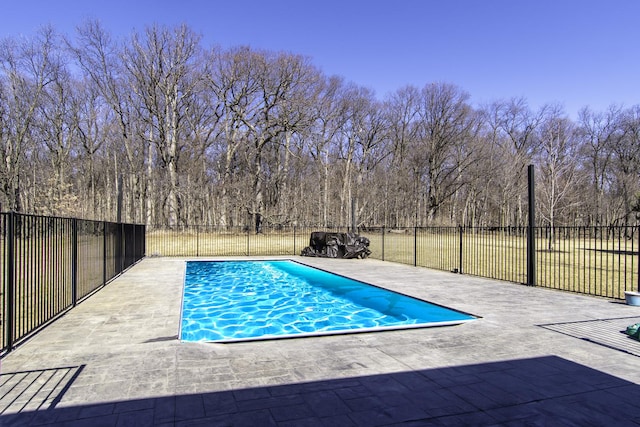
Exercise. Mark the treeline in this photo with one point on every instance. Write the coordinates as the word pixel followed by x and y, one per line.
pixel 192 134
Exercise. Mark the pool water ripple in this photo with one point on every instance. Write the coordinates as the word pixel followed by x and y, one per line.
pixel 229 301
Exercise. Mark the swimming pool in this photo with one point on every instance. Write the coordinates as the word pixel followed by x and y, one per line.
pixel 226 301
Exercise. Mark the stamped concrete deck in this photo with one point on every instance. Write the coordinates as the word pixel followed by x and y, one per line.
pixel 537 357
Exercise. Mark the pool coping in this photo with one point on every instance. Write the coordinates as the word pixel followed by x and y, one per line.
pixel 336 332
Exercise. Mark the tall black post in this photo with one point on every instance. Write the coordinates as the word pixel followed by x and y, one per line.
pixel 531 239
pixel 120 254
pixel 10 259
pixel 74 262
pixel 415 246
pixel 104 253
pixel 121 246
pixel 460 241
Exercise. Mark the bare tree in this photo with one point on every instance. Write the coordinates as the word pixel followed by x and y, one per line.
pixel 599 134
pixel 163 67
pixel 260 111
pixel 234 82
pixel 513 127
pixel 55 132
pixel 445 121
pixel 299 82
pixel 626 186
pixel 401 185
pixel 329 117
pixel 367 134
pixel 101 60
pixel 202 122
pixel 238 136
pixel 92 121
pixel 559 169
pixel 27 67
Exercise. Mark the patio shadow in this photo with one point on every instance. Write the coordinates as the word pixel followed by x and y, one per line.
pixel 537 391
pixel 35 390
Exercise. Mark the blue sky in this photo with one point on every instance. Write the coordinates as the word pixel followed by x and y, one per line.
pixel 573 52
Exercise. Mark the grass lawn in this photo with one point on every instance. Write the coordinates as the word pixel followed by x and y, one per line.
pixel 591 266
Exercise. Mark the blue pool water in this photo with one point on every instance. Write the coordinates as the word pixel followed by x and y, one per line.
pixel 246 300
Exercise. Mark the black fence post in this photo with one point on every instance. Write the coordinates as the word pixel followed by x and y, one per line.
pixel 531 239
pixel 10 282
pixel 294 240
pixel 460 232
pixel 104 253
pixel 415 246
pixel 134 244
pixel 121 247
pixel 74 262
pixel 383 230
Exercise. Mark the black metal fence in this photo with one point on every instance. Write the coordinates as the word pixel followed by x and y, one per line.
pixel 600 261
pixel 49 264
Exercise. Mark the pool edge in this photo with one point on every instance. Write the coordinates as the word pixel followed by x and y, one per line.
pixel 339 332
pixel 321 333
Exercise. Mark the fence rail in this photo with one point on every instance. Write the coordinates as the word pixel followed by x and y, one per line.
pixel 599 261
pixel 49 264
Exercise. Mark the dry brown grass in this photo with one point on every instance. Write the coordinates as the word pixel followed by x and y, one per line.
pixel 605 268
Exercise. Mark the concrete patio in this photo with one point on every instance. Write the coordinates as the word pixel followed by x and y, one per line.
pixel 536 357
